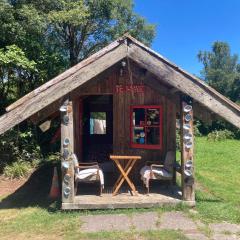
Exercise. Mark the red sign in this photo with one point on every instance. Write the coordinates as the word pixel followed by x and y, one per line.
pixel 130 88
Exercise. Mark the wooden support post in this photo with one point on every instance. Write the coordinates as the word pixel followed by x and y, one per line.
pixel 67 148
pixel 77 120
pixel 187 153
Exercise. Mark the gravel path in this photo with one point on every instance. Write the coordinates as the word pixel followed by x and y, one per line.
pixel 153 221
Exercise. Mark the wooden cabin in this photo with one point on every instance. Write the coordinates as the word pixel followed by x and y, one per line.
pixel 124 100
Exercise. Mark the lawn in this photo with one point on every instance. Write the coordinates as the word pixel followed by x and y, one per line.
pixel 29 214
pixel 218 178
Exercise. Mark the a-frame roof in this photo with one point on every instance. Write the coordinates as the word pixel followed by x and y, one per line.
pixel 123 47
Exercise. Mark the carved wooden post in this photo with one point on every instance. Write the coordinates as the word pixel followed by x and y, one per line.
pixel 187 153
pixel 67 148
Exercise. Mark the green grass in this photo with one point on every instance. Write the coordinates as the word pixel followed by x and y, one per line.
pixel 17 169
pixel 130 211
pixel 133 235
pixel 28 214
pixel 218 180
pixel 41 224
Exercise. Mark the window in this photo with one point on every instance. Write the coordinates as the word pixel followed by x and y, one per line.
pixel 98 123
pixel 146 127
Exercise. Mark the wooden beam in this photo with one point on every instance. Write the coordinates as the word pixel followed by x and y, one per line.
pixel 186 84
pixel 62 88
pixel 46 112
pixel 67 73
pixel 78 125
pixel 89 88
pixel 202 113
pixel 67 132
pixel 174 90
pixel 187 155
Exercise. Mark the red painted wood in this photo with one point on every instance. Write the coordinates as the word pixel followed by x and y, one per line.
pixel 145 145
pixel 81 128
pixel 129 88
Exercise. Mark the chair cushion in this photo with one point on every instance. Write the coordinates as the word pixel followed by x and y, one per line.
pixel 90 175
pixel 158 173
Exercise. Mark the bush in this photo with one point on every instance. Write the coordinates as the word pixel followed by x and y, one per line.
pixel 220 135
pixel 20 147
pixel 196 127
pixel 17 169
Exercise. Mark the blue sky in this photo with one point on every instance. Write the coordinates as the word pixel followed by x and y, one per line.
pixel 186 26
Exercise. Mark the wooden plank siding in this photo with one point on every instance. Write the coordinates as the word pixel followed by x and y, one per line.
pixel 105 84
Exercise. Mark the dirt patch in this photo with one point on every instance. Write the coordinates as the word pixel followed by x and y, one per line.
pixel 8 186
pixel 28 192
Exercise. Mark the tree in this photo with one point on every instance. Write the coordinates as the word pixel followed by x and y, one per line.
pixel 56 34
pixel 15 69
pixel 84 27
pixel 40 39
pixel 221 70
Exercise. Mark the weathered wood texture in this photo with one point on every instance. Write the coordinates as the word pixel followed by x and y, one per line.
pixel 186 84
pixel 46 112
pixel 105 84
pixel 101 84
pixel 159 197
pixel 77 121
pixel 52 93
pixel 132 40
pixel 107 201
pixel 68 73
pixel 188 186
pixel 121 105
pixel 78 75
pixel 67 131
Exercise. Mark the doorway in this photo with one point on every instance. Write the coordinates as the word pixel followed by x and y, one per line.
pixel 98 130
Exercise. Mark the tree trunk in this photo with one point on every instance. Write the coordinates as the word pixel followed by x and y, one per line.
pixel 72 47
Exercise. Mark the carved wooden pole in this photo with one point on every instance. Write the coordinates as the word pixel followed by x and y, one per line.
pixel 67 148
pixel 187 153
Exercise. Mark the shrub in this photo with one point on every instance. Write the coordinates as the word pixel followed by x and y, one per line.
pixel 17 169
pixel 196 127
pixel 220 135
pixel 52 158
pixel 20 147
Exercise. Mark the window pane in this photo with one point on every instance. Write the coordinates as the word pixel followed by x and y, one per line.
pixel 138 117
pixel 153 135
pixel 98 123
pixel 138 135
pixel 153 116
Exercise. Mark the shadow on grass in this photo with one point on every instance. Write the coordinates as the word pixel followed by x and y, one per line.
pixel 34 192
